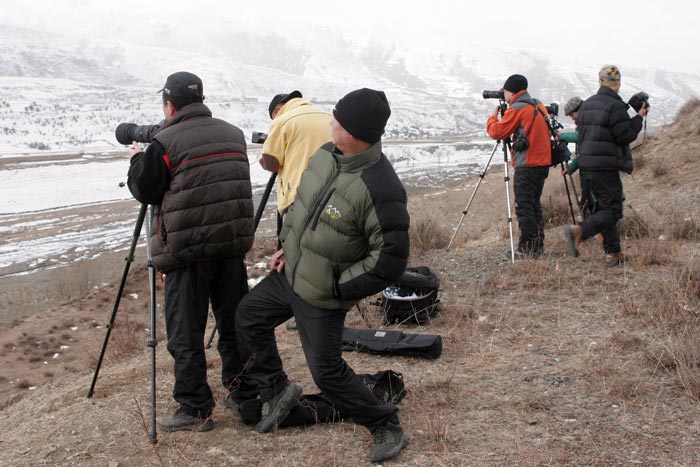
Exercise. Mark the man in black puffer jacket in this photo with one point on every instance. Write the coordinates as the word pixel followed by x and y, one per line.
pixel 196 175
pixel 605 131
pixel 344 237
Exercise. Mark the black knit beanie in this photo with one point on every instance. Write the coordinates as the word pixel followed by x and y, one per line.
pixel 363 113
pixel 515 83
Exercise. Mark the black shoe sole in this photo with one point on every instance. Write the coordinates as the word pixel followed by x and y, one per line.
pixel 207 425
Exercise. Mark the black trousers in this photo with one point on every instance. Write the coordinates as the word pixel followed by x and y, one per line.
pixel 528 183
pixel 188 292
pixel 606 188
pixel 271 303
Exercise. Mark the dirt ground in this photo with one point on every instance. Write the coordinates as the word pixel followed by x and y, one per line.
pixel 551 362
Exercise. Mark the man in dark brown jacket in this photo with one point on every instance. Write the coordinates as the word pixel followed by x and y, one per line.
pixel 196 175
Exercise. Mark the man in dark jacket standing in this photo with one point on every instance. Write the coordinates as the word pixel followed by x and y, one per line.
pixel 525 122
pixel 605 131
pixel 196 175
pixel 344 237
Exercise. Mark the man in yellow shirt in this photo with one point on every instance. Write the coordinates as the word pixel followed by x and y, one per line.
pixel 297 130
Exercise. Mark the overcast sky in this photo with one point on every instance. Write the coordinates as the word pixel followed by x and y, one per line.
pixel 660 34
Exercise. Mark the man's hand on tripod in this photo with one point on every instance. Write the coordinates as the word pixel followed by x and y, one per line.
pixel 494 112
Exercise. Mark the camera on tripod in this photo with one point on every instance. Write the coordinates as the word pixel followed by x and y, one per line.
pixel 638 100
pixel 500 95
pixel 258 137
pixel 494 95
pixel 126 133
pixel 552 109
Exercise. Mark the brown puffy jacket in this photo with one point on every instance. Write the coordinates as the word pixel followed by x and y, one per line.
pixel 207 211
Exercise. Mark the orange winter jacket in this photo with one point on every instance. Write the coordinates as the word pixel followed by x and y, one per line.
pixel 520 120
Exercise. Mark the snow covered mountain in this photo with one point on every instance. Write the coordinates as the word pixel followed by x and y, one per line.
pixel 67 95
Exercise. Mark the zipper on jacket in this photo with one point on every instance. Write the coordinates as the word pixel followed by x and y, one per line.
pixel 328 188
pixel 321 206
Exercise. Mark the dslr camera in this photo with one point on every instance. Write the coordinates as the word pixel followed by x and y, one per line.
pixel 258 137
pixel 638 100
pixel 128 132
pixel 552 109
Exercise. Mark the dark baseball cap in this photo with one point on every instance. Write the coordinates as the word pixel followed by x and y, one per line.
pixel 281 99
pixel 183 84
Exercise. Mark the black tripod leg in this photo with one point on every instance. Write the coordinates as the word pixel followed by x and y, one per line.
pixel 129 260
pixel 152 343
pixel 568 195
pixel 256 221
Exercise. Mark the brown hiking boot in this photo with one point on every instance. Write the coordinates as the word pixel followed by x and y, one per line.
pixel 184 421
pixel 614 259
pixel 574 237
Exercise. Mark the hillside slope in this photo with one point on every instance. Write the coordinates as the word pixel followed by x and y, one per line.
pixel 555 361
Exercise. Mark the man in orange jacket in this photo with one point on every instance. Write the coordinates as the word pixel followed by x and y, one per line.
pixel 524 123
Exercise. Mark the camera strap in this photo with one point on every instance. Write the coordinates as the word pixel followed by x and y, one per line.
pixel 534 115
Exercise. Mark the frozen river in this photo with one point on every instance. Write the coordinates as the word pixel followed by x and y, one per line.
pixel 60 208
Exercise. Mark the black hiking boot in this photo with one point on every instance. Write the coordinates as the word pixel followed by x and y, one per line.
pixel 276 409
pixel 184 421
pixel 389 440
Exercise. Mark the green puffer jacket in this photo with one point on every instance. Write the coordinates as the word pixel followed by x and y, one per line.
pixel 345 236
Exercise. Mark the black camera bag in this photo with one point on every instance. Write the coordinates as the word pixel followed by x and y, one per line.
pixel 413 299
pixel 560 152
pixel 386 342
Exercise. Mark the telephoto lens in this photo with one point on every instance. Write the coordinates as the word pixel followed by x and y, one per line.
pixel 126 133
pixel 493 95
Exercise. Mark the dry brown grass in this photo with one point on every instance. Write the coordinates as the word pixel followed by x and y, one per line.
pixel 555 201
pixel 74 282
pixel 427 232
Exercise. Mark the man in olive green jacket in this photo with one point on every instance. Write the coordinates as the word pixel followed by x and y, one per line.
pixel 344 237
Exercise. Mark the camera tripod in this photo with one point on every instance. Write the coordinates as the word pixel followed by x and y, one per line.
pixel 151 342
pixel 506 148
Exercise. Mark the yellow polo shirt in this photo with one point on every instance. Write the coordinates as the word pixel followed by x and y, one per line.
pixel 297 131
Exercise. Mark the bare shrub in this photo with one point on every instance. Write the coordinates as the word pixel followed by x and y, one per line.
pixel 427 233
pixel 633 225
pixel 555 207
pixel 74 281
pixel 658 168
pixel 24 384
pixel 684 228
pixel 126 338
pixel 624 340
pixel 650 252
pixel 640 161
pixel 687 279
pixel 685 351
